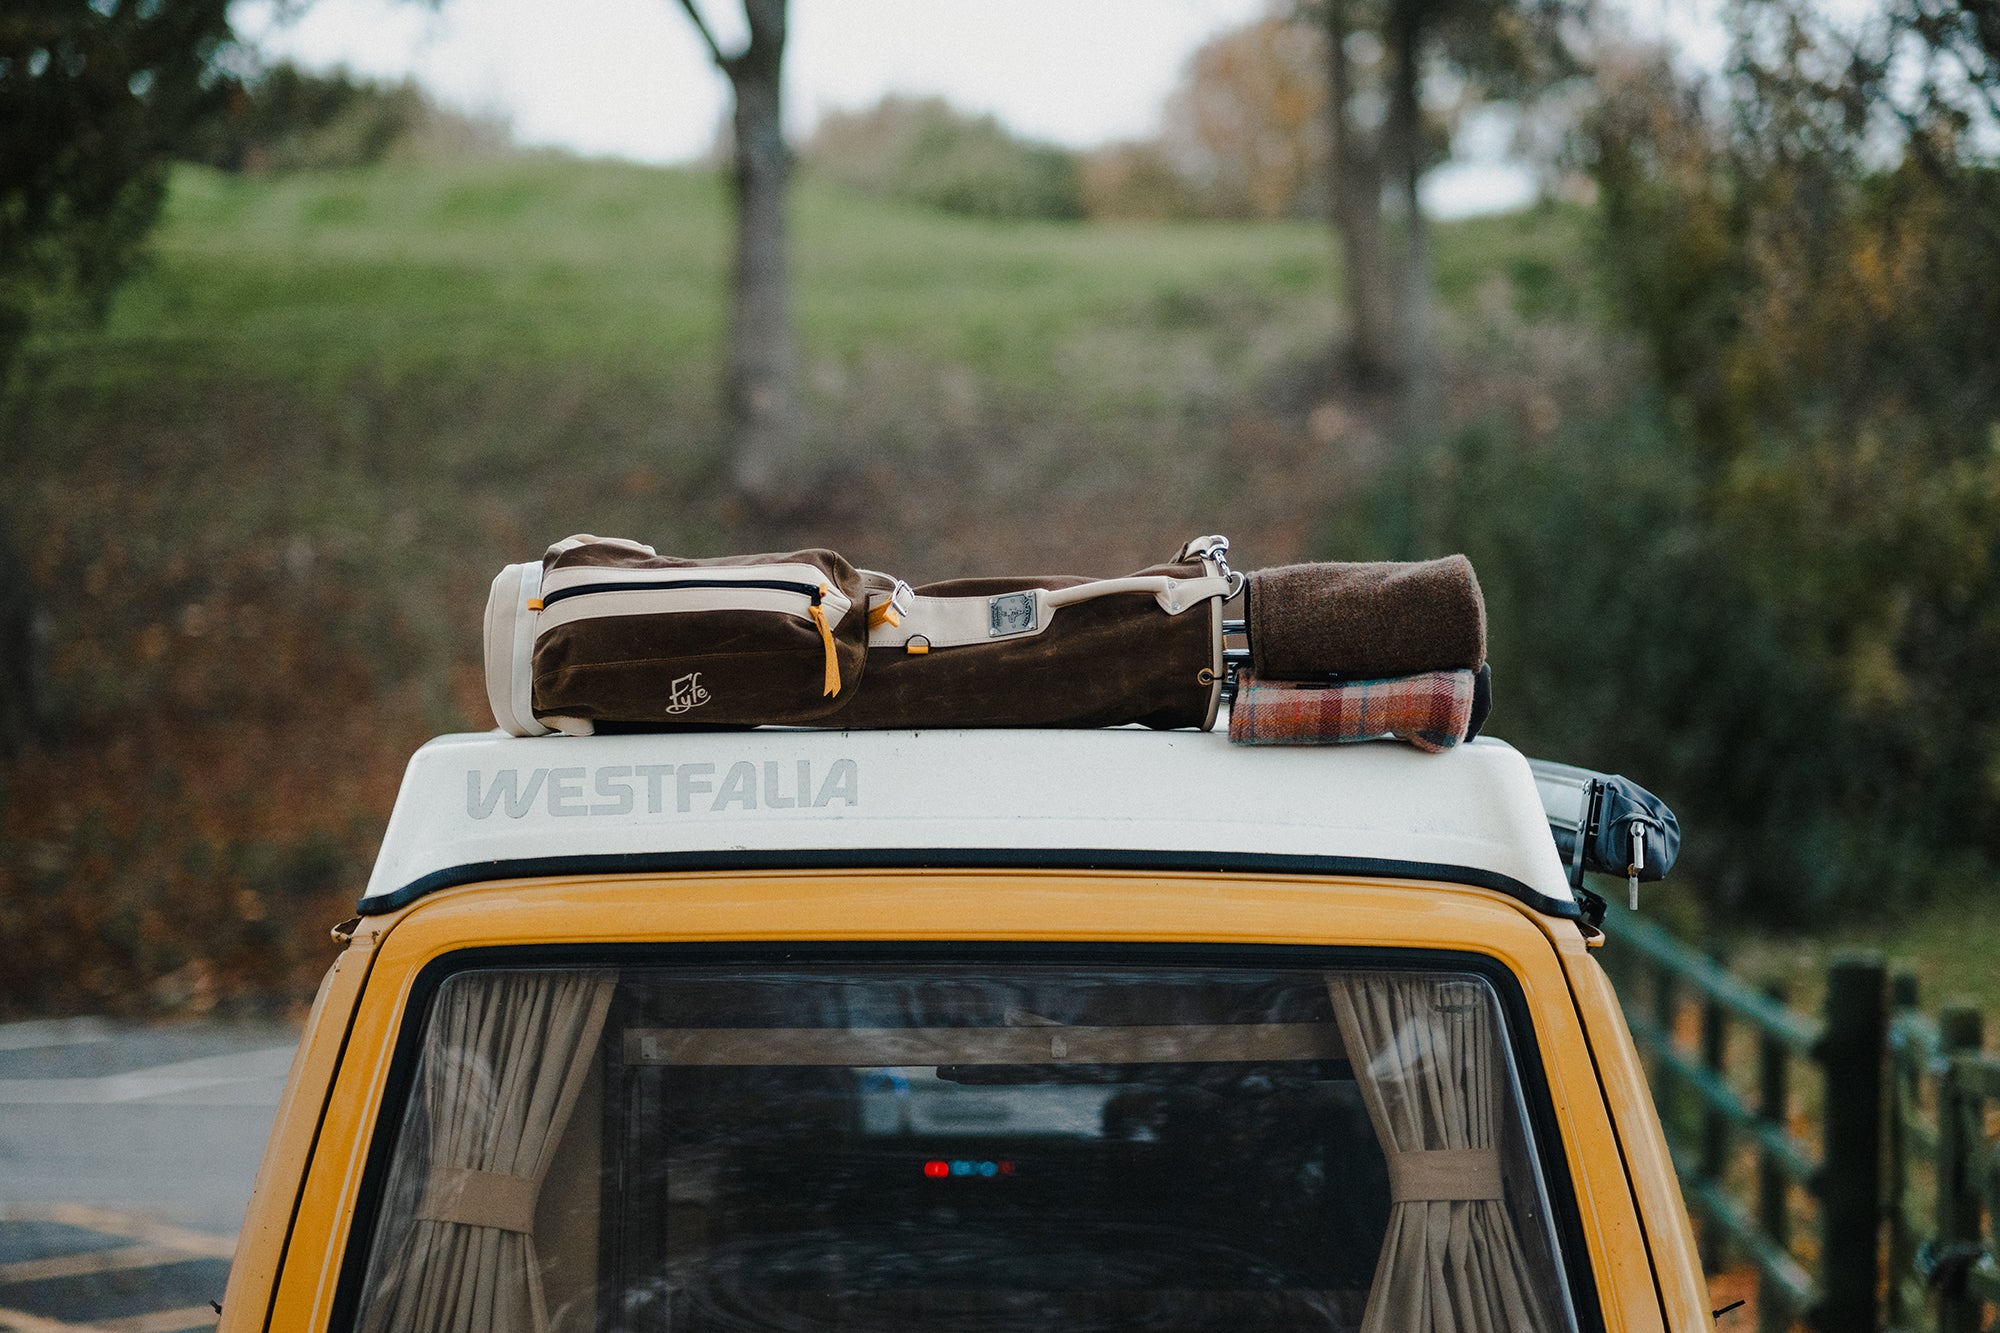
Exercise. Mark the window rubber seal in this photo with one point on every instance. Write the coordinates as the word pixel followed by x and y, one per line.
pixel 960 858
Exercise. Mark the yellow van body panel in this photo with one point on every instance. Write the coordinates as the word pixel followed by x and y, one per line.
pixel 1597 1095
pixel 1676 1260
pixel 267 1224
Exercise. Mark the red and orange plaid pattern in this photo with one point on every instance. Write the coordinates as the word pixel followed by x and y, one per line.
pixel 1430 711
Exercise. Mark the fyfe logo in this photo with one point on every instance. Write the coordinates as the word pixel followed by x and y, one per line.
pixel 686 693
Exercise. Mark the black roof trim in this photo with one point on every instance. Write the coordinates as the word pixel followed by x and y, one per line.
pixel 963 858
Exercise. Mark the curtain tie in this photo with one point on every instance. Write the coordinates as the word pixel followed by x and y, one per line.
pixel 1444 1174
pixel 480 1199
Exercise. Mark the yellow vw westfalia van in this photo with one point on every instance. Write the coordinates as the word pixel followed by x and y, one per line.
pixel 987 1030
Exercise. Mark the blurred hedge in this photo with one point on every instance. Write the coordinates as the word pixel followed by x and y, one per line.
pixel 1628 633
pixel 292 119
pixel 924 151
pixel 1772 586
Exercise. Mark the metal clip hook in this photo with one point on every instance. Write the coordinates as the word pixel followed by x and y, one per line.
pixel 1637 864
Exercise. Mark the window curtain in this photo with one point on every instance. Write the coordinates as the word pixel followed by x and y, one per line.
pixel 503 1064
pixel 1431 1070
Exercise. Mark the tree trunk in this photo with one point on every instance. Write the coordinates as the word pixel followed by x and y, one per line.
pixel 21 658
pixel 1374 349
pixel 762 371
pixel 1406 134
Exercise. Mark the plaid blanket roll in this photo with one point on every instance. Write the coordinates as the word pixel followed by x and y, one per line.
pixel 1430 711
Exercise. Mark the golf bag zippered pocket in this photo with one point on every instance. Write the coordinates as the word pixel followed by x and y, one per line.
pixel 603 631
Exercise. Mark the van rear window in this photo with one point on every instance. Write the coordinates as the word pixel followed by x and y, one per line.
pixel 982 1146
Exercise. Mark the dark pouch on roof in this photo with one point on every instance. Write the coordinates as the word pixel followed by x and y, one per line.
pixel 1610 824
pixel 608 631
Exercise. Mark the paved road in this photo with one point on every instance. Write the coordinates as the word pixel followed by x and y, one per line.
pixel 126 1157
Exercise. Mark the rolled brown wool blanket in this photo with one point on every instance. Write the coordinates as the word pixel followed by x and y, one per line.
pixel 1366 621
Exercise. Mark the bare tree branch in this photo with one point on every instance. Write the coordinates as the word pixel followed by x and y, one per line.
pixel 722 62
pixel 1943 173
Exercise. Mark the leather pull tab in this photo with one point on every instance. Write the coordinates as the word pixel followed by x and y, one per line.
pixel 832 681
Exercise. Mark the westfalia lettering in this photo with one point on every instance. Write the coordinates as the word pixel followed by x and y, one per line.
pixel 624 789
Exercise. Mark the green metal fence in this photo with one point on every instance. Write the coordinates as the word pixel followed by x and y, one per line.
pixel 1887 1150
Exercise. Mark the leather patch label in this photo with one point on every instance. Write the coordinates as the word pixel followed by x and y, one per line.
pixel 1010 613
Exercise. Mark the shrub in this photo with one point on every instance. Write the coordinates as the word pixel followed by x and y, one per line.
pixel 925 151
pixel 292 119
pixel 1638 626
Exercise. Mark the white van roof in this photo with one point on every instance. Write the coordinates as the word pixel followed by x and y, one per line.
pixel 490 806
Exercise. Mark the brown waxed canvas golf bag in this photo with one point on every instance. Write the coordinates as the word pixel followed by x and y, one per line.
pixel 608 634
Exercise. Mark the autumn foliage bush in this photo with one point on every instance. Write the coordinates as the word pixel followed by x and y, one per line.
pixel 1771 585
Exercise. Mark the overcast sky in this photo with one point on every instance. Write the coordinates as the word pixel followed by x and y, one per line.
pixel 629 78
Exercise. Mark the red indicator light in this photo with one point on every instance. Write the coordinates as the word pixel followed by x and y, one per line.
pixel 941 1170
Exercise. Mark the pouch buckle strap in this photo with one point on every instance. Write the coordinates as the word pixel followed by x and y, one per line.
pixel 950 622
pixel 888 607
pixel 512 612
pixel 1174 595
pixel 1213 552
